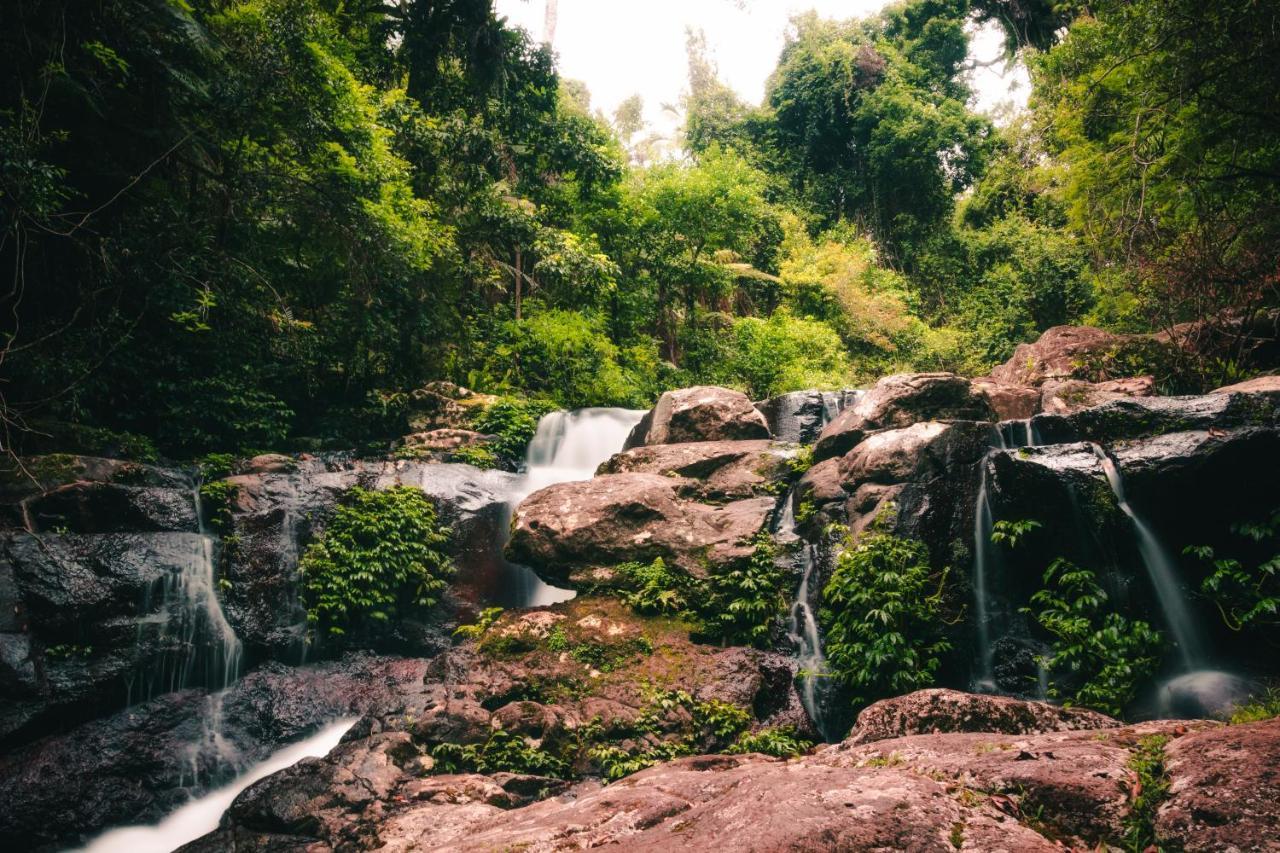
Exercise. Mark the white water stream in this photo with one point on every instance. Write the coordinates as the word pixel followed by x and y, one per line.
pixel 568 446
pixel 201 815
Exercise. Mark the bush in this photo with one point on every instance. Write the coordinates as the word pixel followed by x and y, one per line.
pixel 881 612
pixel 786 353
pixel 378 558
pixel 514 422
pixel 1247 596
pixel 503 752
pixel 744 602
pixel 780 742
pixel 1103 652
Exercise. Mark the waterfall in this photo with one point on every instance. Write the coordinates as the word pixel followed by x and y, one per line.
pixel 198 645
pixel 1160 569
pixel 802 628
pixel 201 815
pixel 983 554
pixel 567 446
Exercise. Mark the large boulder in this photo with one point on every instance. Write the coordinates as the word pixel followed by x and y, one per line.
pixel 1009 402
pixel 1062 352
pixel 1064 396
pixel 701 413
pixel 720 470
pixel 1269 384
pixel 900 401
pixel 572 533
pixel 800 415
pixel 938 711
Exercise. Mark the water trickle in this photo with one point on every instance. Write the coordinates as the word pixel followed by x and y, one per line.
pixel 567 446
pixel 983 555
pixel 802 628
pixel 1160 568
pixel 198 646
pixel 201 815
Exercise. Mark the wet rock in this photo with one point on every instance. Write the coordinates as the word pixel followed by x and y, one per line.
pixel 1139 417
pixel 799 417
pixel 900 401
pixel 130 766
pixel 719 470
pixel 1225 789
pixel 701 413
pixel 110 508
pixel 1009 402
pixel 1204 694
pixel 938 711
pixel 268 463
pixel 571 533
pixel 1072 395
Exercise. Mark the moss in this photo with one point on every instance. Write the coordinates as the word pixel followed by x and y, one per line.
pixel 1259 708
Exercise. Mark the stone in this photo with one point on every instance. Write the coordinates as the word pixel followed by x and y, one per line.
pixel 900 401
pixel 571 533
pixel 1257 385
pixel 444 440
pixel 937 710
pixel 720 470
pixel 1063 397
pixel 701 413
pixel 1061 352
pixel 1009 402
pixel 800 415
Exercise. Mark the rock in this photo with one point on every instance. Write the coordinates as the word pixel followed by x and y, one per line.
pixel 444 440
pixel 1225 790
pixel 443 405
pixel 1139 417
pixel 1204 694
pixel 1257 385
pixel 798 417
pixel 900 401
pixel 1062 352
pixel 938 711
pixel 268 463
pixel 1071 395
pixel 86 507
pixel 720 470
pixel 130 766
pixel 571 533
pixel 1009 402
pixel 701 413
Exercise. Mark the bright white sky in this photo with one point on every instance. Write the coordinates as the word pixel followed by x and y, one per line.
pixel 621 47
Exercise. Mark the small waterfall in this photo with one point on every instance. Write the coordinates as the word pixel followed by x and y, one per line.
pixel 983 554
pixel 567 446
pixel 802 628
pixel 199 648
pixel 201 815
pixel 1160 568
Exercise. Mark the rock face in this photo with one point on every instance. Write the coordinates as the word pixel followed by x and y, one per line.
pixel 128 767
pixel 572 532
pixel 940 711
pixel 701 413
pixel 1062 352
pixel 719 470
pixel 1073 395
pixel 1252 386
pixel 1009 402
pixel 900 401
pixel 800 416
pixel 1035 780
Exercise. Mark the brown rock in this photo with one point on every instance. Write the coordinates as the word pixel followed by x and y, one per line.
pixel 1060 353
pixel 1010 402
pixel 939 710
pixel 268 463
pixel 1256 385
pixel 1062 397
pixel 722 469
pixel 900 401
pixel 1225 791
pixel 567 531
pixel 444 440
pixel 701 413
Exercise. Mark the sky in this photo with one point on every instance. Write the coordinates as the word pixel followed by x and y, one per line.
pixel 623 47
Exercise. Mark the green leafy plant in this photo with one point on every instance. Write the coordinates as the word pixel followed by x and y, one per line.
pixel 882 610
pixel 1109 654
pixel 503 752
pixel 653 588
pixel 476 455
pixel 216 466
pixel 1259 708
pixel 745 601
pixel 778 741
pixel 379 558
pixel 483 623
pixel 215 501
pixel 1246 596
pixel 1149 787
pixel 1013 532
pixel 513 421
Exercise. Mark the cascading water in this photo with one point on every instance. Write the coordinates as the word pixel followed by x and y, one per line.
pixel 1160 569
pixel 802 628
pixel 983 554
pixel 201 815
pixel 567 446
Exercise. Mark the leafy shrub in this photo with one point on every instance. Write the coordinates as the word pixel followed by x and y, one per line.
pixel 1107 653
pixel 779 741
pixel 483 623
pixel 602 656
pixel 475 455
pixel 514 421
pixel 1259 708
pixel 215 466
pixel 378 558
pixel 223 413
pixel 786 353
pixel 1146 760
pixel 1246 596
pixel 215 503
pixel 881 612
pixel 745 601
pixel 652 588
pixel 503 752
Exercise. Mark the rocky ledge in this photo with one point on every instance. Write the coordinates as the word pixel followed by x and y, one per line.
pixel 974 773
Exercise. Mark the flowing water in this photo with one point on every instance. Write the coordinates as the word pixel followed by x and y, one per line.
pixel 802 628
pixel 1160 568
pixel 568 446
pixel 983 557
pixel 201 815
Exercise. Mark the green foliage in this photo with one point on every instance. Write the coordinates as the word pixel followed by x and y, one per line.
pixel 1013 532
pixel 881 614
pixel 1246 596
pixel 477 455
pixel 1149 790
pixel 67 651
pixel 379 558
pixel 215 502
pixel 1259 708
pixel 514 421
pixel 483 623
pixel 778 741
pixel 744 602
pixel 652 588
pixel 1105 653
pixel 503 752
pixel 600 656
pixel 215 466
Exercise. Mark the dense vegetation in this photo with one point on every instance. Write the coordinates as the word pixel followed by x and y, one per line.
pixel 233 224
